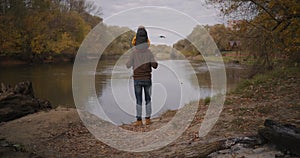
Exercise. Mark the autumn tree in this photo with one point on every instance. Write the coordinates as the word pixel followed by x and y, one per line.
pixel 122 43
pixel 268 29
pixel 199 40
pixel 221 35
pixel 42 28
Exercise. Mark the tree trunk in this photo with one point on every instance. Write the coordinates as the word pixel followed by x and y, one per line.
pixel 203 150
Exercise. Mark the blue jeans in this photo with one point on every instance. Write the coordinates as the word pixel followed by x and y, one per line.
pixel 139 85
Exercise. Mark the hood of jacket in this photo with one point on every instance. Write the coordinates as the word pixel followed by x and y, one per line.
pixel 141 36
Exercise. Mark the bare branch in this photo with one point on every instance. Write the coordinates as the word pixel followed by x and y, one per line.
pixel 265 9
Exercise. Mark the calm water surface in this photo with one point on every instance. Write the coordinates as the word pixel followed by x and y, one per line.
pixel 174 85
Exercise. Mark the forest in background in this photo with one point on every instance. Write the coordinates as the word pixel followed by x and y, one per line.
pixel 268 31
pixel 48 30
pixel 41 30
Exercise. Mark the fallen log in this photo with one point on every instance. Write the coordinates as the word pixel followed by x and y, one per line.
pixel 205 149
pixel 285 137
pixel 19 101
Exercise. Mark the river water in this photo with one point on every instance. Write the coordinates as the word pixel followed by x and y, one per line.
pixel 115 89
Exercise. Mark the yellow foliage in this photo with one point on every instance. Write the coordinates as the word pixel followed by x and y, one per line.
pixel 270 28
pixel 46 27
pixel 64 42
pixel 37 44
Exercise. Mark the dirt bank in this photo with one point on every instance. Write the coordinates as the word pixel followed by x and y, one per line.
pixel 60 132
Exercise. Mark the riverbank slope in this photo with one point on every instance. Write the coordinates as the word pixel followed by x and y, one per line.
pixel 60 132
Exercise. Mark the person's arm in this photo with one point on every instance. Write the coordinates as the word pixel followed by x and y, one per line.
pixel 130 61
pixel 153 62
pixel 154 65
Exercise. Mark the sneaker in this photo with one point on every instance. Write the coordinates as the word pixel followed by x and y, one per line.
pixel 148 121
pixel 138 123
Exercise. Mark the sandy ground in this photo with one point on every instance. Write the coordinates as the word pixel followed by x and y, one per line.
pixel 61 133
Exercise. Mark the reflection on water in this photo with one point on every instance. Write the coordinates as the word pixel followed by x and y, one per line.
pixel 173 85
pixel 51 82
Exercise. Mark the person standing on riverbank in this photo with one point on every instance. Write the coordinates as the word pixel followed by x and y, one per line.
pixel 142 61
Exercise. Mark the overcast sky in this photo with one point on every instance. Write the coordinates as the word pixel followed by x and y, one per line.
pixel 172 18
